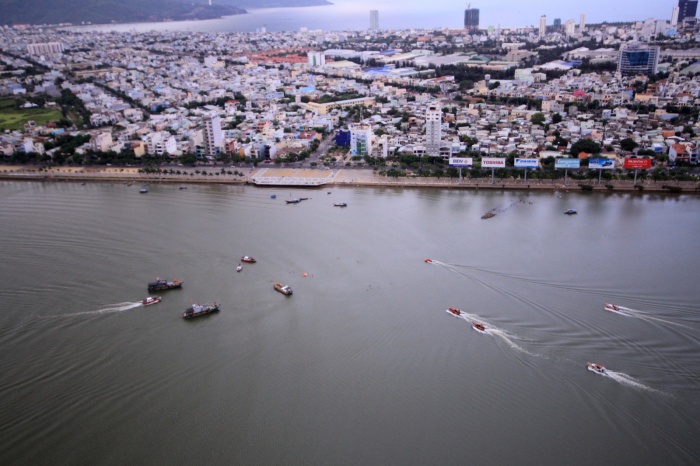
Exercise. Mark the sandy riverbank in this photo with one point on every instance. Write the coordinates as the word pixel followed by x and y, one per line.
pixel 341 177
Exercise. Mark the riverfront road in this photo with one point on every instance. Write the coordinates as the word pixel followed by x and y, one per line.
pixel 340 177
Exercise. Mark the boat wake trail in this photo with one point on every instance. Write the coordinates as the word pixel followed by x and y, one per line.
pixel 628 380
pixel 490 329
pixel 637 314
pixel 118 307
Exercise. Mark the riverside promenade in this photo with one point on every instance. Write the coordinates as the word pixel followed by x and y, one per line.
pixel 317 178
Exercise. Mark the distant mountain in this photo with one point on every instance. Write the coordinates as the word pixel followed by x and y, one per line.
pixel 107 11
pixel 272 3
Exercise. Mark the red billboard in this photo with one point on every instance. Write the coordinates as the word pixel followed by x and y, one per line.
pixel 643 164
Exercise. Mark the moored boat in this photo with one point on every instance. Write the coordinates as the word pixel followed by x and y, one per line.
pixel 341 204
pixel 197 310
pixel 284 289
pixel 293 201
pixel 596 368
pixel 454 311
pixel 248 259
pixel 159 285
pixel 571 212
pixel 151 300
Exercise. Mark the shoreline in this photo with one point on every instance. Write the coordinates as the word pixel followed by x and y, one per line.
pixel 335 178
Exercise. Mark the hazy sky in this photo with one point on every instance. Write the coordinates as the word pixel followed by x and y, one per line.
pixel 527 12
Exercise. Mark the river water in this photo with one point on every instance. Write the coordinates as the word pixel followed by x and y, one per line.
pixel 362 365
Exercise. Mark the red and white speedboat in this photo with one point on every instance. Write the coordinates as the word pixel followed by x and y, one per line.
pixel 479 327
pixel 248 259
pixel 454 311
pixel 151 300
pixel 596 368
pixel 612 307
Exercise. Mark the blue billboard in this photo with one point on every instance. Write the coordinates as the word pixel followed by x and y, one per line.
pixel 567 163
pixel 601 164
pixel 526 163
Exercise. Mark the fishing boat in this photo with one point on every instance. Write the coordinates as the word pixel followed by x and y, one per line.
pixel 199 310
pixel 284 289
pixel 596 368
pixel 248 259
pixel 571 212
pixel 296 200
pixel 159 285
pixel 239 268
pixel 454 310
pixel 151 300
pixel 341 204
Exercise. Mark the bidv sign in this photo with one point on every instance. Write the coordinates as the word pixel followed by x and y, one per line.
pixel 493 162
pixel 465 162
pixel 526 163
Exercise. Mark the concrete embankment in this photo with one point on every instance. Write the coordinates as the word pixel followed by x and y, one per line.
pixel 342 177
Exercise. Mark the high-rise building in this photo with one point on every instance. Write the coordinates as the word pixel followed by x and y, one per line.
pixel 674 16
pixel 582 22
pixel 635 58
pixel 361 139
pixel 557 23
pixel 687 9
pixel 543 25
pixel 373 20
pixel 570 27
pixel 213 136
pixel 471 19
pixel 316 59
pixel 433 130
pixel 45 48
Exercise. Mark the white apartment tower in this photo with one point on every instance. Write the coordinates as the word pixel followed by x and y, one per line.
pixel 374 20
pixel 361 139
pixel 45 48
pixel 674 16
pixel 433 130
pixel 316 59
pixel 570 27
pixel 543 25
pixel 213 136
pixel 582 24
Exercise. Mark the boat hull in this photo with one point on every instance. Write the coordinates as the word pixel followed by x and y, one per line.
pixel 199 310
pixel 164 285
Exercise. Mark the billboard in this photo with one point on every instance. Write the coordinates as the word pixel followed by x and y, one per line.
pixel 526 163
pixel 493 162
pixel 600 163
pixel 644 164
pixel 461 162
pixel 567 163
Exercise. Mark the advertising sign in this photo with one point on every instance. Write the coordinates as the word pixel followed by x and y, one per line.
pixel 461 162
pixel 526 163
pixel 493 162
pixel 567 163
pixel 644 164
pixel 600 163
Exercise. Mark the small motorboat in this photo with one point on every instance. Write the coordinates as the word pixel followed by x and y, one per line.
pixel 571 212
pixel 151 300
pixel 293 201
pixel 341 204
pixel 274 196
pixel 303 198
pixel 478 326
pixel 454 311
pixel 596 368
pixel 428 261
pixel 183 187
pixel 612 307
pixel 284 289
pixel 239 268
pixel 143 190
pixel 248 259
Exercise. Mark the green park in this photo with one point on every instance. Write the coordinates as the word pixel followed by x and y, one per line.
pixel 14 118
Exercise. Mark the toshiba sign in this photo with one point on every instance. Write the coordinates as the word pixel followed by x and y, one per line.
pixel 493 162
pixel 643 164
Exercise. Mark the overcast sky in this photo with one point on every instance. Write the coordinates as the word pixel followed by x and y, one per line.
pixel 509 13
